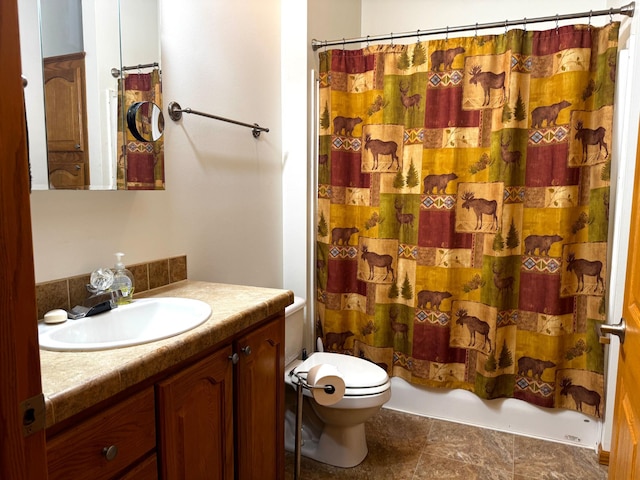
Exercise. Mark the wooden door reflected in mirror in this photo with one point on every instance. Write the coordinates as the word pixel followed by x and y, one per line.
pixel 66 112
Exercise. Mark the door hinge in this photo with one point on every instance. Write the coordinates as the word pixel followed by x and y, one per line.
pixel 33 414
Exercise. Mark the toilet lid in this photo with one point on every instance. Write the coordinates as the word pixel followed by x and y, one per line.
pixel 356 372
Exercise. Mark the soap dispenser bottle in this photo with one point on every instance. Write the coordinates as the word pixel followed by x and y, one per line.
pixel 123 281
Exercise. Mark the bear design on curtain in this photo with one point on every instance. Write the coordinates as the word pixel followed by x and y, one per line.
pixel 463 192
pixel 140 164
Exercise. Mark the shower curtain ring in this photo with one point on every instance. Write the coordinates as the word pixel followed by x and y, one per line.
pixel 476 34
pixel 525 24
pixel 446 38
pixel 343 43
pixel 418 35
pixel 611 15
pixel 367 41
pixel 506 30
pixel 391 39
pixel 557 25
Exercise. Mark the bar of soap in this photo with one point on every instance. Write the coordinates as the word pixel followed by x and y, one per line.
pixel 55 316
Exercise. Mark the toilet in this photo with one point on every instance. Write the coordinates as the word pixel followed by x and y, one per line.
pixel 332 434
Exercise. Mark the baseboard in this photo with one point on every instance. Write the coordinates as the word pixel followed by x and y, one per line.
pixel 603 456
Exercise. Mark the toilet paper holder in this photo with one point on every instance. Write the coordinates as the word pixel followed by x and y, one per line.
pixel 302 383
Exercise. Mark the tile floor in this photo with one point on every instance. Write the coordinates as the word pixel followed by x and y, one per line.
pixel 403 446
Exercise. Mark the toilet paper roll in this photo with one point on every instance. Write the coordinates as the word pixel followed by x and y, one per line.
pixel 324 375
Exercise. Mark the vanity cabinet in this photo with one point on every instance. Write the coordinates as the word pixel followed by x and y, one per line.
pixel 220 416
pixel 207 412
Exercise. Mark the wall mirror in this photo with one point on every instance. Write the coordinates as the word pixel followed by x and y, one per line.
pixel 77 56
pixel 145 121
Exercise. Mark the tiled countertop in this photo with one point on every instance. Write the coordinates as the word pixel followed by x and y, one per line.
pixel 74 381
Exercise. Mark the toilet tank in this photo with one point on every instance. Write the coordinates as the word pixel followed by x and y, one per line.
pixel 293 330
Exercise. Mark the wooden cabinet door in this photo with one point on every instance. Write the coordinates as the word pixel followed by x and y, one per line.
pixel 625 463
pixel 260 403
pixel 195 419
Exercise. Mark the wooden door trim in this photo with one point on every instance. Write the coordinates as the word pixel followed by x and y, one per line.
pixel 21 457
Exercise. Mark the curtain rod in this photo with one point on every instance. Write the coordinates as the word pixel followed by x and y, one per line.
pixel 627 10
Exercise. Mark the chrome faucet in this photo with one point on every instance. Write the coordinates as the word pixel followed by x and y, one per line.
pixel 98 302
pixel 101 297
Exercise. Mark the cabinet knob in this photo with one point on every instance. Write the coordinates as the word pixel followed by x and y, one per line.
pixel 77 145
pixel 234 358
pixel 110 452
pixel 246 350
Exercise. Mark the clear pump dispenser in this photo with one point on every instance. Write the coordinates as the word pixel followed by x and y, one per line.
pixel 123 281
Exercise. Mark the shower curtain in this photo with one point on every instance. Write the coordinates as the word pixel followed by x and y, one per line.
pixel 140 164
pixel 463 191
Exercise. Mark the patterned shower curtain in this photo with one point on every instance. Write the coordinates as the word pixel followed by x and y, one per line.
pixel 140 164
pixel 463 194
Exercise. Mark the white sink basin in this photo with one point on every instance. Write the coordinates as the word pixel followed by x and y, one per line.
pixel 142 321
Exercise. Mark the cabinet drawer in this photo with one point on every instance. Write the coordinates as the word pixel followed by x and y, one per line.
pixel 79 453
pixel 66 175
pixel 147 470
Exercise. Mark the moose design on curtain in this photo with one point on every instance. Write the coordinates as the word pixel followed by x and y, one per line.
pixel 463 193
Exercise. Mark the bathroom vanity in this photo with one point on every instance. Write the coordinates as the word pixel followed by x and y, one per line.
pixel 208 403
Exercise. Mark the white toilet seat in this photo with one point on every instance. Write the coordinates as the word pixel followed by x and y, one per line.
pixel 362 378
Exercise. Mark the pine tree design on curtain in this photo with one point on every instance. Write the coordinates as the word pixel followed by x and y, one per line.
pixel 463 192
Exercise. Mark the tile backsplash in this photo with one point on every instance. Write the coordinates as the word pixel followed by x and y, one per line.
pixel 68 292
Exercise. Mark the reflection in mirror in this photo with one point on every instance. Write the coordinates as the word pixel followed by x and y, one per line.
pixel 66 121
pixel 73 45
pixel 141 163
pixel 145 121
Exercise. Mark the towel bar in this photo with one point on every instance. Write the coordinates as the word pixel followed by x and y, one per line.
pixel 176 111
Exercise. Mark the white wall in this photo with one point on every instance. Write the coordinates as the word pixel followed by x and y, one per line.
pixel 139 32
pixel 62 27
pixel 295 158
pixel 100 21
pixel 31 56
pixel 382 16
pixel 223 202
